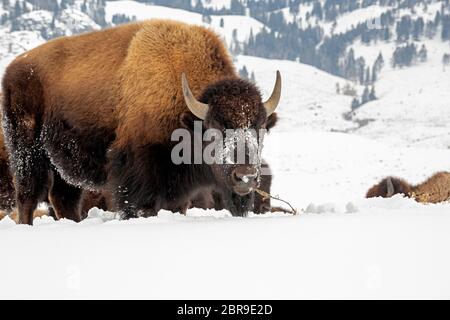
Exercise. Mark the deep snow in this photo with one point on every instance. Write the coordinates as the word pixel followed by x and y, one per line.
pixel 339 246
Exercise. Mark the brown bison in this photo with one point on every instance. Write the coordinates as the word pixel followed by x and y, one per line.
pixel 97 112
pixel 435 189
pixel 205 199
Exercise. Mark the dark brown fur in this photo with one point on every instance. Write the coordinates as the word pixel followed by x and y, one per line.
pixel 7 191
pixel 97 112
pixel 434 190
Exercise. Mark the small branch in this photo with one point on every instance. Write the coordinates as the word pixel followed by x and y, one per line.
pixel 266 195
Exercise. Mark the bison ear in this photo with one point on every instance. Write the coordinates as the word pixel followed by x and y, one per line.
pixel 271 121
pixel 187 120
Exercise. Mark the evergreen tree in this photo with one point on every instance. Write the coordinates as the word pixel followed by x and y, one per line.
pixel 372 95
pixel 355 104
pixel 44 33
pixel 243 73
pixel 17 10
pixel 6 4
pixel 403 28
pixel 422 55
pixel 430 30
pixel 294 7
pixel 361 67
pixel 379 62
pixel 445 34
pixel 3 18
pixel 365 96
pixel 404 56
pixel 445 60
pixel 374 74
pixel 368 79
pixel 437 18
pixel 237 7
pixel 317 10
pixel 15 26
pixel 387 34
pixel 206 18
pixel 64 4
pixel 350 71
pixel 418 28
pixel 235 35
pixel 199 6
pixel 84 7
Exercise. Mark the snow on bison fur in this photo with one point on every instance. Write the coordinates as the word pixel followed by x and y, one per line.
pixel 433 190
pixel 97 111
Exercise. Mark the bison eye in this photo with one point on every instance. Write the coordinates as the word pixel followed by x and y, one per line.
pixel 226 124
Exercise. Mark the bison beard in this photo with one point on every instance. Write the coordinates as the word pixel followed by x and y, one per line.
pixel 105 124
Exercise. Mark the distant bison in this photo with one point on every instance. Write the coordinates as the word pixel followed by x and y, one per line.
pixel 433 190
pixel 97 112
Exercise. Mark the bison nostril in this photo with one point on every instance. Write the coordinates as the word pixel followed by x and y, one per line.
pixel 243 176
pixel 248 178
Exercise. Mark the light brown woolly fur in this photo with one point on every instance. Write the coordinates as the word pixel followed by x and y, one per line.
pixel 78 72
pixel 159 53
pixel 97 78
pixel 433 190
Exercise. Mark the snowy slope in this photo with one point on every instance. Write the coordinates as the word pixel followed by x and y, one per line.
pixel 422 108
pixel 414 102
pixel 242 24
pixel 347 20
pixel 309 98
pixel 15 43
pixel 215 4
pixel 413 112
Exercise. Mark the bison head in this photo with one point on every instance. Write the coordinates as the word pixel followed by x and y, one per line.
pixel 234 108
pixel 388 187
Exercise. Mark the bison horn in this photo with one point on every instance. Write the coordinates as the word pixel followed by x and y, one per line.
pixel 390 188
pixel 271 104
pixel 196 107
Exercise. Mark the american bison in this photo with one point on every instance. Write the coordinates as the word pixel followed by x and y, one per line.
pixel 205 199
pixel 434 190
pixel 97 112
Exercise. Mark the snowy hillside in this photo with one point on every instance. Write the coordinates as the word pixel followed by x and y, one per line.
pixel 144 11
pixel 310 96
pixel 417 111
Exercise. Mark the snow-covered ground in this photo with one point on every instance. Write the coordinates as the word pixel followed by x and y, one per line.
pixel 341 245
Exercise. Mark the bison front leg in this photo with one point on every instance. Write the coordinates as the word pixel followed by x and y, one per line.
pixel 65 198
